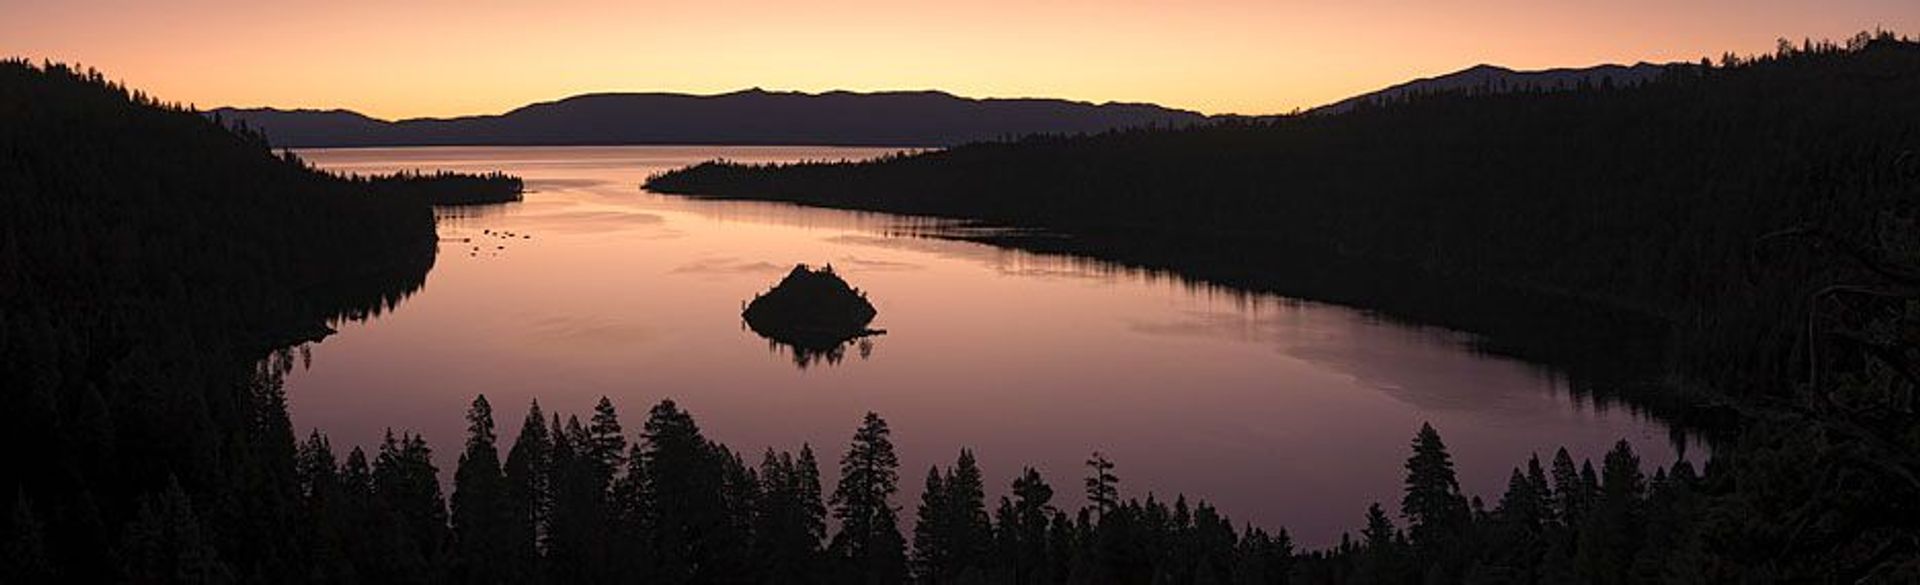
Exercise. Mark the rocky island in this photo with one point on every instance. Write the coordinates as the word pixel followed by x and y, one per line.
pixel 814 311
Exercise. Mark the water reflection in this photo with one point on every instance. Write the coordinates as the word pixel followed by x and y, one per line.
pixel 806 353
pixel 1282 413
pixel 377 291
pixel 329 306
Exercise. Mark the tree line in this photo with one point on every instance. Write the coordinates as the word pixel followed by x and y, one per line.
pixel 572 501
pixel 446 187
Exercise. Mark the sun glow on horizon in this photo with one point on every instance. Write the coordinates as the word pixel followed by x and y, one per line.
pixel 440 58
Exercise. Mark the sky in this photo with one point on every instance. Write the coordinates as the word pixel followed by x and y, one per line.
pixel 412 58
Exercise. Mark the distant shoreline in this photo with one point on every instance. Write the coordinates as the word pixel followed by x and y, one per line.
pixel 610 145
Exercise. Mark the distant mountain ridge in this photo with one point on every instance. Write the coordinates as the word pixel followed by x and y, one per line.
pixel 1497 79
pixel 834 118
pixel 754 116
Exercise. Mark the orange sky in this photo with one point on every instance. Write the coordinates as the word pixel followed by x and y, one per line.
pixel 405 58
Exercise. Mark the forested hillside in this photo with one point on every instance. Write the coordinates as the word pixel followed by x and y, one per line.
pixel 1710 202
pixel 150 258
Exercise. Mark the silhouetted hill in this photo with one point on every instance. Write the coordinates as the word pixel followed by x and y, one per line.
pixel 1495 79
pixel 920 118
pixel 149 258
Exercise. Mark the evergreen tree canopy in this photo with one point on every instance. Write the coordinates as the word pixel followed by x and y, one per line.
pixel 869 542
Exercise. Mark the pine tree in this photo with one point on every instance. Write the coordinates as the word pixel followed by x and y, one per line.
pixel 1064 540
pixel 1519 507
pixel 728 547
pixel 529 494
pixel 1569 497
pixel 315 468
pixel 1622 483
pixel 630 510
pixel 971 532
pixel 680 486
pixel 606 445
pixel 813 507
pixel 407 486
pixel 580 545
pixel 932 545
pixel 1436 513
pixel 1611 537
pixel 165 543
pixel 1589 484
pixel 1280 557
pixel 696 536
pixel 576 507
pixel 1023 524
pixel 869 544
pixel 1542 491
pixel 790 524
pixel 269 489
pixel 1381 555
pixel 480 516
pixel 952 534
pixel 1212 542
pixel 1102 492
pixel 327 532
pixel 364 523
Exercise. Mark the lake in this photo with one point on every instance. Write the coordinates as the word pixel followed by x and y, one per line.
pixel 1283 413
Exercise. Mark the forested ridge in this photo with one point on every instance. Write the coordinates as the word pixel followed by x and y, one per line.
pixel 1638 207
pixel 152 256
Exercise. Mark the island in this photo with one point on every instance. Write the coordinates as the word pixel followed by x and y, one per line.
pixel 814 312
pixel 447 187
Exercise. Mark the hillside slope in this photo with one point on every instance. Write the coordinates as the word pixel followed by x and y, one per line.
pixel 149 258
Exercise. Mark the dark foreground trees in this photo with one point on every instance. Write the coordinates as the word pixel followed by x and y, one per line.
pixel 686 509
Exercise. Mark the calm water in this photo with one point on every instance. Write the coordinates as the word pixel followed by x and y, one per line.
pixel 1283 413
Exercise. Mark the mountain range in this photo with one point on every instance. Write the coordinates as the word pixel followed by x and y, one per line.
pixel 755 116
pixel 835 118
